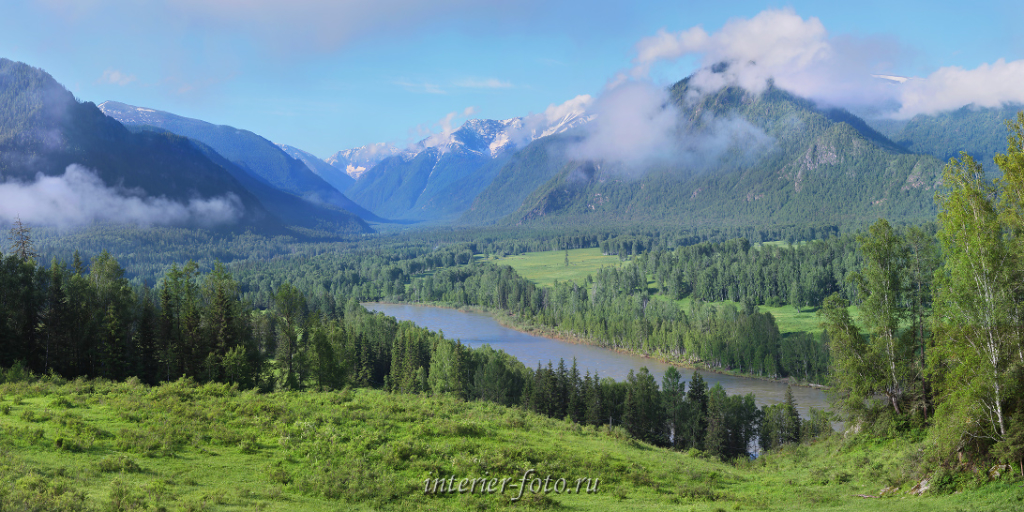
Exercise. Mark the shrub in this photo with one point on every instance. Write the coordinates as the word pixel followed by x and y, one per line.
pixel 119 464
pixel 67 444
pixel 123 497
pixel 249 444
pixel 61 402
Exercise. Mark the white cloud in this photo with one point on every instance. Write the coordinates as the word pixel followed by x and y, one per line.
pixel 115 77
pixel 577 105
pixel 79 197
pixel 487 83
pixel 635 124
pixel 534 126
pixel 800 56
pixel 420 87
pixel 447 127
pixel 949 88
pixel 666 46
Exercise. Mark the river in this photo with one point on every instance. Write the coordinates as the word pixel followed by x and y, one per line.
pixel 476 329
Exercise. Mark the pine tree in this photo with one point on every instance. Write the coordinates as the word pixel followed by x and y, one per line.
pixel 21 240
pixel 672 395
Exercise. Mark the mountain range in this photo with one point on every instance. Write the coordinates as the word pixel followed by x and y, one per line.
pixel 779 159
pixel 82 164
pixel 733 158
pixel 439 178
pixel 981 132
pixel 258 156
pixel 337 178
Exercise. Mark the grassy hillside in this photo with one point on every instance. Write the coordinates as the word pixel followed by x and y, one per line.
pixel 96 445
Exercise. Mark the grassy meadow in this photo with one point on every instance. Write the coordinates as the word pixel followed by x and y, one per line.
pixel 546 267
pixel 98 445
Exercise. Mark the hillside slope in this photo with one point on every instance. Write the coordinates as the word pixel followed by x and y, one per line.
pixel 83 445
pixel 336 177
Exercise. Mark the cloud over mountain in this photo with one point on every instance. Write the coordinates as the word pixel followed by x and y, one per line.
pixel 80 197
pixel 949 88
pixel 801 56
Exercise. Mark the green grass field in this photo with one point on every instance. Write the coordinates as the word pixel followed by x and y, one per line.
pixel 96 445
pixel 544 268
pixel 788 318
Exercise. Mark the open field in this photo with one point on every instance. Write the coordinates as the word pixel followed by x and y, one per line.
pixel 788 318
pixel 544 268
pixel 96 445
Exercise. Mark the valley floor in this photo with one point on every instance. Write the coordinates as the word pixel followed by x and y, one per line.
pixel 97 445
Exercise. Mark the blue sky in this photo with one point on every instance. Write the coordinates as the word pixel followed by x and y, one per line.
pixel 330 75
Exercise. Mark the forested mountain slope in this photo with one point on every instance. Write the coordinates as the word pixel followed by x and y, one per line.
pixel 981 132
pixel 790 162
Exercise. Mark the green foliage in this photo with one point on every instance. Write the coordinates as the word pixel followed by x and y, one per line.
pixel 118 464
pixel 367 449
pixel 978 302
pixel 886 288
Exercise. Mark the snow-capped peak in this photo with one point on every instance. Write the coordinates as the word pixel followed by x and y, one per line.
pixel 488 137
pixel 356 161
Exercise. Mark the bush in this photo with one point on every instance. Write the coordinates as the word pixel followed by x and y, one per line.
pixel 123 497
pixel 119 464
pixel 67 444
pixel 249 444
pixel 61 402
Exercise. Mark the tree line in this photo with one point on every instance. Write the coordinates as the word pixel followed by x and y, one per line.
pixel 943 339
pixel 86 320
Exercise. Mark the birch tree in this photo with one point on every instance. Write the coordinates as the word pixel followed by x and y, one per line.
pixel 977 306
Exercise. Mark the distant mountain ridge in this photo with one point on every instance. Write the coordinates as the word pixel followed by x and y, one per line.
pixel 337 178
pixel 438 178
pixel 981 132
pixel 354 162
pixel 257 155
